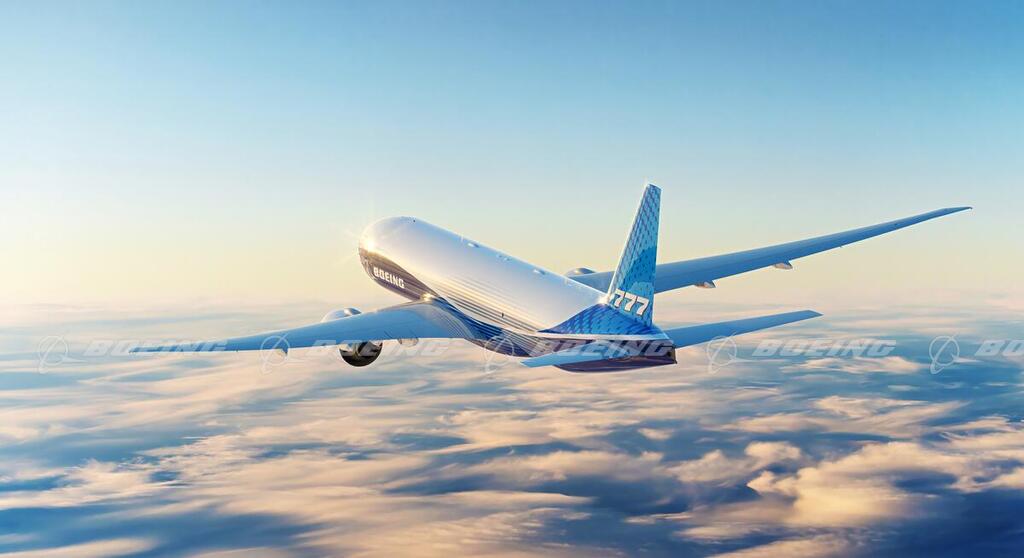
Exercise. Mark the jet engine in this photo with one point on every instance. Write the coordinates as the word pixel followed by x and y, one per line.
pixel 358 354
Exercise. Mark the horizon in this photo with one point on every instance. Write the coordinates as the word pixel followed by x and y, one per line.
pixel 179 172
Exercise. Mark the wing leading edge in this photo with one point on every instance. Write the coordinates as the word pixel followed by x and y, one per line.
pixel 417 320
pixel 675 275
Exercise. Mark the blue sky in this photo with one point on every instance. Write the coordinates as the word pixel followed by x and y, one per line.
pixel 183 150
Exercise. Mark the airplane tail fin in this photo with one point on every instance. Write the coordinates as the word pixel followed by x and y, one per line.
pixel 632 286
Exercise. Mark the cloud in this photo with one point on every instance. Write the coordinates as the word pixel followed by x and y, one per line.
pixel 91 483
pixel 249 552
pixel 863 487
pixel 716 466
pixel 881 416
pixel 655 434
pixel 869 486
pixel 860 365
pixel 1013 479
pixel 813 547
pixel 111 547
pixel 434 456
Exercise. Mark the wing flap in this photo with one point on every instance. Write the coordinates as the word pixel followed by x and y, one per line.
pixel 418 320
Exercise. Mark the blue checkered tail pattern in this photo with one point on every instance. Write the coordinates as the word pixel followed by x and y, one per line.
pixel 632 286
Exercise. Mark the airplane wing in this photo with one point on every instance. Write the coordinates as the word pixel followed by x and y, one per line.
pixel 703 271
pixel 417 320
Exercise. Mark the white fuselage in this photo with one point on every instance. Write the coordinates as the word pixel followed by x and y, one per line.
pixel 419 260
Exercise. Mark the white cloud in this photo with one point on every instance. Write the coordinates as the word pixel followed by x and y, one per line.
pixel 99 549
pixel 862 487
pixel 655 434
pixel 880 416
pixel 814 547
pixel 860 365
pixel 91 483
pixel 433 457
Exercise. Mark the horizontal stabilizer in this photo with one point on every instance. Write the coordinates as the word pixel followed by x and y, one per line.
pixel 693 335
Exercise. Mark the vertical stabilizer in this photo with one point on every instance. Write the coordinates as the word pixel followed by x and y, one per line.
pixel 632 286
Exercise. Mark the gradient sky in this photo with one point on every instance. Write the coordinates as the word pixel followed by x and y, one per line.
pixel 194 170
pixel 224 151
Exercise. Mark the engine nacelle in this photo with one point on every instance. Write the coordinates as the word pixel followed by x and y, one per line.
pixel 338 314
pixel 361 354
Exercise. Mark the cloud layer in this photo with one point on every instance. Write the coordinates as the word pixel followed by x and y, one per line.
pixel 448 453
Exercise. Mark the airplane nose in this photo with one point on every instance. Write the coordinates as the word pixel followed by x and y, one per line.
pixel 376 235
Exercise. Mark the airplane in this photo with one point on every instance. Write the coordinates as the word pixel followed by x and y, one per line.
pixel 582 321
